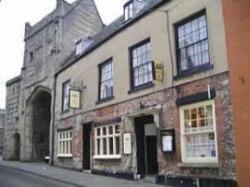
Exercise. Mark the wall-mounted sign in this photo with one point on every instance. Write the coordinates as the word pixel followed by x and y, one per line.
pixel 127 143
pixel 74 99
pixel 159 71
pixel 168 140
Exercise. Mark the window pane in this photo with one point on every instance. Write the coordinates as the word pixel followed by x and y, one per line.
pixel 104 141
pixel 117 141
pixel 98 146
pixel 111 149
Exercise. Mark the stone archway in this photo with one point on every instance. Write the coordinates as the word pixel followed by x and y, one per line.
pixel 16 146
pixel 39 116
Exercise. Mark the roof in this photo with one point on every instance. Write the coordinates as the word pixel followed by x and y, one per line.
pixel 111 30
pixel 14 80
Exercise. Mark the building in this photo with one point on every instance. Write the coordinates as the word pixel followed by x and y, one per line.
pixel 2 119
pixel 150 95
pixel 157 92
pixel 237 24
pixel 29 96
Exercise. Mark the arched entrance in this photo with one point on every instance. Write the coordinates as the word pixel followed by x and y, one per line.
pixel 16 147
pixel 39 123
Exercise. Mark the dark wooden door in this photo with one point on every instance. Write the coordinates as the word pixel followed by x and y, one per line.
pixel 151 152
pixel 86 146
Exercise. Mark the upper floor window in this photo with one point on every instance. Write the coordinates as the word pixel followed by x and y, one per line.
pixel 128 10
pixel 198 130
pixel 192 43
pixel 106 80
pixel 142 66
pixel 65 96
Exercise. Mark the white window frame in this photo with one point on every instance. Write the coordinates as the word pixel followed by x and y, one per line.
pixel 129 11
pixel 65 144
pixel 183 139
pixel 114 135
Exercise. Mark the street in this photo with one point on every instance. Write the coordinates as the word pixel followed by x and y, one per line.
pixel 14 178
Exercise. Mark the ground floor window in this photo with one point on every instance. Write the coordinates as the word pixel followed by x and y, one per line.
pixel 198 132
pixel 65 143
pixel 107 141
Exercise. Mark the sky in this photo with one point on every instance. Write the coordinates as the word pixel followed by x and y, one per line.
pixel 13 16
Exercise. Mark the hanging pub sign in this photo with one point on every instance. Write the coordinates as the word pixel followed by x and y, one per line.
pixel 168 140
pixel 158 71
pixel 74 99
pixel 127 144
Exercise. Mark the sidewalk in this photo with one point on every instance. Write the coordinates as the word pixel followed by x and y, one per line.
pixel 73 177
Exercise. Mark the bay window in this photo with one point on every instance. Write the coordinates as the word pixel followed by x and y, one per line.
pixel 198 133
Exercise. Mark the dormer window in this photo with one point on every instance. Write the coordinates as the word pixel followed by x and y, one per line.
pixel 129 10
pixel 82 45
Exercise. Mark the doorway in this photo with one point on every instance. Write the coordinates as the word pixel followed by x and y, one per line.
pixel 87 146
pixel 146 142
pixel 16 152
pixel 40 125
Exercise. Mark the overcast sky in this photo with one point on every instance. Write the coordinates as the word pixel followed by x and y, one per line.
pixel 14 14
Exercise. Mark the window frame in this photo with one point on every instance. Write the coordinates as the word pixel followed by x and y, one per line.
pixel 61 151
pixel 198 68
pixel 149 84
pixel 100 66
pixel 197 160
pixel 107 136
pixel 63 97
pixel 127 7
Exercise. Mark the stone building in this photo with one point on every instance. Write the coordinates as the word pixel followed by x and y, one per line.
pixel 2 120
pixel 29 103
pixel 152 97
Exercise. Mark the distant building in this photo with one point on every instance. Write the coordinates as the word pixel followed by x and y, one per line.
pixel 30 99
pixel 2 120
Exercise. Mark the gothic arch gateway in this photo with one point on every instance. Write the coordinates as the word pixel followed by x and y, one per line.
pixel 38 116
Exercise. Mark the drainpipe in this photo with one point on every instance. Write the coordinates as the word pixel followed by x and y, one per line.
pixel 53 121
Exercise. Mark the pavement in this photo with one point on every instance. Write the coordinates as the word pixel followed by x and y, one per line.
pixel 14 178
pixel 65 176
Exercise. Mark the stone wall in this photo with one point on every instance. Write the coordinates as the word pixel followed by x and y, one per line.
pixel 169 164
pixel 2 122
pixel 48 44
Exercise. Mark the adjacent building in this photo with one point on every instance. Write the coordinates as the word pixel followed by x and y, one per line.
pixel 157 92
pixel 237 24
pixel 48 44
pixel 2 120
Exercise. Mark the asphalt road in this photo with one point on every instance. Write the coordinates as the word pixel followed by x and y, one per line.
pixel 14 178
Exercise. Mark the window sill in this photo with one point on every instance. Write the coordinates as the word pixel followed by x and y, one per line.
pixel 104 100
pixel 198 165
pixel 65 156
pixel 107 157
pixel 141 87
pixel 193 71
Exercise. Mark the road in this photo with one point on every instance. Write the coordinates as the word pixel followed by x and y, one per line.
pixel 14 178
